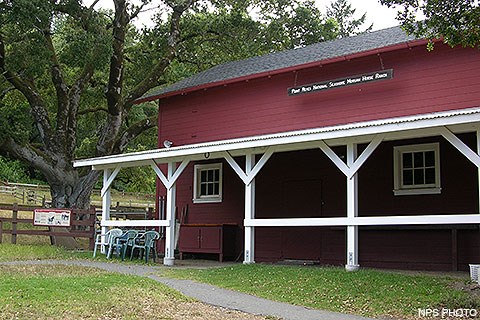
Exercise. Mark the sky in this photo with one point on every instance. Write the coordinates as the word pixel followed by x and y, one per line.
pixel 381 16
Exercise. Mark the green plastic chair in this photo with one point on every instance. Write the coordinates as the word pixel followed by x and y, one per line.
pixel 110 236
pixel 127 240
pixel 145 243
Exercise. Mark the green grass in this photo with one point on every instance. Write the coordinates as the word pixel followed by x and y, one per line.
pixel 16 252
pixel 367 292
pixel 67 292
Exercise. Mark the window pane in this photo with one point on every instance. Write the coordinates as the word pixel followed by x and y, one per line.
pixel 216 190
pixel 210 175
pixel 215 174
pixel 203 189
pixel 203 175
pixel 418 176
pixel 418 160
pixel 429 159
pixel 430 176
pixel 210 189
pixel 407 160
pixel 407 177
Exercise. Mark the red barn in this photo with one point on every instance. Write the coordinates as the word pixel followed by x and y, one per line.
pixel 358 151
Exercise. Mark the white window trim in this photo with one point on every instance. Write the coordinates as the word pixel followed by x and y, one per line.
pixel 397 168
pixel 196 176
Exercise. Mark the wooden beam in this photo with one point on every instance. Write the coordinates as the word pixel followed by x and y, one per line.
pixel 462 147
pixel 108 182
pixel 366 221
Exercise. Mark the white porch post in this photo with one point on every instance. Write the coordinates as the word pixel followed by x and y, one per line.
pixel 352 211
pixel 478 169
pixel 249 253
pixel 169 259
pixel 106 202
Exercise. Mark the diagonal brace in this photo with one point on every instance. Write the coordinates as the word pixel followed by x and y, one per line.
pixel 350 171
pixel 248 178
pixel 461 146
pixel 169 181
pixel 109 181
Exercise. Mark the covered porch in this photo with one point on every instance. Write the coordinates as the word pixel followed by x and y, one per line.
pixel 359 140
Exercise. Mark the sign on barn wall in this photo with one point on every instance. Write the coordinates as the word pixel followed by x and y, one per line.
pixel 52 217
pixel 342 82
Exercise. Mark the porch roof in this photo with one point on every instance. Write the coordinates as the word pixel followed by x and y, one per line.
pixel 422 125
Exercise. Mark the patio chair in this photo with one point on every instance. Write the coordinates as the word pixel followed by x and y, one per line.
pixel 127 240
pixel 110 236
pixel 145 243
pixel 114 242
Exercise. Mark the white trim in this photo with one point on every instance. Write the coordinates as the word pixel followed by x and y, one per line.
pixel 390 125
pixel 197 198
pixel 462 147
pixel 108 182
pixel 351 169
pixel 365 221
pixel 170 182
pixel 415 189
pixel 134 223
pixel 249 246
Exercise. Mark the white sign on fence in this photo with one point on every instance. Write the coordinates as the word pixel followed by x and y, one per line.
pixel 52 217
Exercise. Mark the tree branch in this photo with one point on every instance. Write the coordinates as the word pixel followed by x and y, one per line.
pixel 152 79
pixel 28 154
pixel 133 132
pixel 34 99
pixel 61 89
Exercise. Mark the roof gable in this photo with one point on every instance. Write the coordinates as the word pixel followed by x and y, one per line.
pixel 280 61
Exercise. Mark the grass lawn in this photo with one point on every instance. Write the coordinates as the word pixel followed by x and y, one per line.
pixel 73 292
pixel 367 292
pixel 68 292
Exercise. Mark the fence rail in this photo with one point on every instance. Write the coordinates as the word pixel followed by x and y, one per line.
pixel 80 219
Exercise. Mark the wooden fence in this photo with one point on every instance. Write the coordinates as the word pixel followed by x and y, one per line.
pixel 82 224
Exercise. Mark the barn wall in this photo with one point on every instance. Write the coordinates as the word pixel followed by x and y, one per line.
pixel 423 82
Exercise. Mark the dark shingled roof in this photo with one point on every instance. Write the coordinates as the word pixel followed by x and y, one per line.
pixel 287 59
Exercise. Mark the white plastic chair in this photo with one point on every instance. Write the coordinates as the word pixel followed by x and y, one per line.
pixel 110 236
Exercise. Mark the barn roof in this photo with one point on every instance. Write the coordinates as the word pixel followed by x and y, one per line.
pixel 328 51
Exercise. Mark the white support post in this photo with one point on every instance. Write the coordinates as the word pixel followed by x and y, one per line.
pixel 352 211
pixel 478 170
pixel 249 253
pixel 106 202
pixel 169 259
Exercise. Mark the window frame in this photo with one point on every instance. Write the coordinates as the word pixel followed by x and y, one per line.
pixel 197 197
pixel 415 189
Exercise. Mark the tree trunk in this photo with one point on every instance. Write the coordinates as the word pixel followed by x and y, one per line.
pixel 69 191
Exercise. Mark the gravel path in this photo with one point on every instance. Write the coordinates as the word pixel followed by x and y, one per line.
pixel 207 293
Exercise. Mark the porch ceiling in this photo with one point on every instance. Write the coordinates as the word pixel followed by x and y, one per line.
pixel 423 125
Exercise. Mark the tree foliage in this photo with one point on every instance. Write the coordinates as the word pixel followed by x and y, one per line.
pixel 71 73
pixel 344 14
pixel 457 22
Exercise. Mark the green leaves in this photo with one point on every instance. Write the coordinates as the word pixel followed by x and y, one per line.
pixel 457 22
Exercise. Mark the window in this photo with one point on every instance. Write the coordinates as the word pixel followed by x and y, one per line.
pixel 207 184
pixel 417 169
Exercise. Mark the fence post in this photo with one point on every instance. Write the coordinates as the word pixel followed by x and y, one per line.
pixel 1 231
pixel 14 223
pixel 93 219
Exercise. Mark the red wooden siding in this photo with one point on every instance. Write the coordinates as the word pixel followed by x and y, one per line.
pixel 443 79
